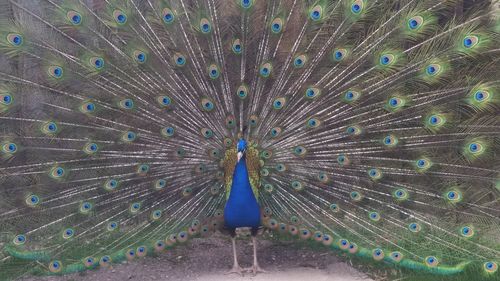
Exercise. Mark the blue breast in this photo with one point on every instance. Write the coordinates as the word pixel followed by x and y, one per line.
pixel 242 209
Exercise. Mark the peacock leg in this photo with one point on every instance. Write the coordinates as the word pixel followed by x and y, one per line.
pixel 236 267
pixel 255 268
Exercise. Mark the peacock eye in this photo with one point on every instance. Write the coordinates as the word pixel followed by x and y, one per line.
pixel 15 39
pixel 55 71
pixel 96 62
pixel 390 140
pixel 316 13
pixel 378 254
pixel 120 17
pixel 431 261
pixel 414 227
pixel 357 7
pixel 246 3
pixel 87 107
pixel 242 92
pixel 74 17
pixel 213 71
pixel 299 61
pixel 396 256
pixel 168 16
pixel 168 131
pixel 277 25
pixel 351 96
pixel 207 133
pixel 32 200
pixel 55 266
pixel 85 207
pixel 386 59
pixel 179 59
pixel 274 132
pixel 470 41
pixel 143 169
pixel 139 56
pixel 423 164
pixel 207 104
pixel 313 122
pixel 236 46
pixel 414 23
pixel 467 231
pixel 129 136
pixel 205 26
pixel 433 69
pixel 490 267
pixel 265 70
pixel 90 148
pixel 312 92
pixel 339 54
pixel 279 103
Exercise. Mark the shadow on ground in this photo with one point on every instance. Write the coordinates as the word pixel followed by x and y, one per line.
pixel 208 260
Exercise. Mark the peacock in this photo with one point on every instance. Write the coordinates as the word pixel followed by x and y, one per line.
pixel 370 127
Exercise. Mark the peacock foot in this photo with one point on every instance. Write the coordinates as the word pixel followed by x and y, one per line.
pixel 236 269
pixel 255 269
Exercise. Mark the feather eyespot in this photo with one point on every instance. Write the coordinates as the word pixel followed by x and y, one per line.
pixel 19 239
pixel 90 148
pixel 266 69
pixel 68 233
pixel 139 56
pixel 467 231
pixel 179 59
pixel 339 54
pixel 316 13
pixel 120 17
pixel 431 261
pixel 85 207
pixel 279 103
pixel 55 71
pixel 164 101
pixel 32 200
pixel 129 136
pixel 390 141
pixel 242 92
pixel 275 132
pixel 299 61
pixel 111 184
pixel 357 7
pixel 490 267
pixel 470 41
pixel 414 23
pixel 207 104
pixel 168 16
pixel 205 26
pixel 312 92
pixel 55 266
pixel 74 17
pixel 168 131
pixel 414 227
pixel 277 25
pixel 236 46
pixel 213 71
pixel 15 39
pixel 378 254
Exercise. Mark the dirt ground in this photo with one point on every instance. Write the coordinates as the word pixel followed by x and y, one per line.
pixel 208 260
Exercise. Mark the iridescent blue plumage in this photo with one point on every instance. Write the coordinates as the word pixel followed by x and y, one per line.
pixel 242 209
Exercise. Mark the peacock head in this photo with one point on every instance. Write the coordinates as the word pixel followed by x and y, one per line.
pixel 241 147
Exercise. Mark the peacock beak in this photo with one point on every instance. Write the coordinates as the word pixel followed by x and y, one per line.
pixel 240 155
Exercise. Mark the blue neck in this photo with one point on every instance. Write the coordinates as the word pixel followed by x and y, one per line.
pixel 242 209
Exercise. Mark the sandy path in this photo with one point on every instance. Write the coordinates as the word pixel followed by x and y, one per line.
pixel 208 259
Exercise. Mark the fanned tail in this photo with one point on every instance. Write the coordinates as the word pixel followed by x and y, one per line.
pixel 374 124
